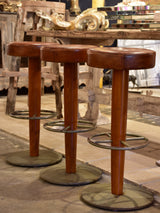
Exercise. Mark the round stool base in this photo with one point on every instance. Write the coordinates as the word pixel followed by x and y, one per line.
pixel 133 198
pixel 23 158
pixel 85 174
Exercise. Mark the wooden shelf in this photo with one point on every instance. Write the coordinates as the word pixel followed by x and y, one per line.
pixel 100 36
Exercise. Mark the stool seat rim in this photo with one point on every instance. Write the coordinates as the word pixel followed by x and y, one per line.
pixel 69 47
pixel 122 50
pixel 67 53
pixel 26 48
pixel 121 58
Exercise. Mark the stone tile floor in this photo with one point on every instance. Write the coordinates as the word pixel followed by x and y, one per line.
pixel 22 191
pixel 144 118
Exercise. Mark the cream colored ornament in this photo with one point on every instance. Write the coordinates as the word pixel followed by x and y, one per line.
pixel 89 20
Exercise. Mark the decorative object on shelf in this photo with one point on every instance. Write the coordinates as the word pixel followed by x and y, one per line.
pixel 9 6
pixel 75 9
pixel 97 3
pixel 131 3
pixel 152 2
pixel 90 19
pixel 131 15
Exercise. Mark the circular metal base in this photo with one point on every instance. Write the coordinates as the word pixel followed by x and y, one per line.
pixel 85 174
pixel 133 198
pixel 23 158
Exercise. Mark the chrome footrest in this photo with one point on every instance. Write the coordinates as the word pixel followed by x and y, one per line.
pixel 58 126
pixel 106 144
pixel 24 114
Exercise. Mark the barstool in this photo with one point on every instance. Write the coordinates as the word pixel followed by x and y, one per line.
pixel 34 157
pixel 118 197
pixel 70 173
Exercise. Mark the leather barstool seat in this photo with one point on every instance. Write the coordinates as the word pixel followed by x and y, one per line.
pixel 118 197
pixel 69 173
pixel 34 157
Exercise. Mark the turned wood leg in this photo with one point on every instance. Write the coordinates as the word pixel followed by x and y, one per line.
pixel 70 113
pixel 34 98
pixel 118 127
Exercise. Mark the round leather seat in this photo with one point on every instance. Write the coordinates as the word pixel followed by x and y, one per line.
pixel 73 53
pixel 70 56
pixel 121 58
pixel 26 49
pixel 34 157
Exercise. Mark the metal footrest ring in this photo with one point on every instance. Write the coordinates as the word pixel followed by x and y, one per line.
pixel 24 114
pixel 126 146
pixel 58 126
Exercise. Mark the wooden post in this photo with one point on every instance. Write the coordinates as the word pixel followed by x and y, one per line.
pixel 34 97
pixel 70 113
pixel 118 127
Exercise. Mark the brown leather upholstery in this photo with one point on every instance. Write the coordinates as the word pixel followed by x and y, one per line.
pixel 121 58
pixel 26 49
pixel 32 51
pixel 72 53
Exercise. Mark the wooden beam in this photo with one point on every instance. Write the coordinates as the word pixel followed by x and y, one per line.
pixel 146 34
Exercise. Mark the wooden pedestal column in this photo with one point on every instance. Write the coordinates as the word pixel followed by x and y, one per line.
pixel 32 158
pixel 70 114
pixel 118 127
pixel 116 196
pixel 34 98
pixel 69 173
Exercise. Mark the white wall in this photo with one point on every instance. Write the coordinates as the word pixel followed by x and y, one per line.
pixel 148 77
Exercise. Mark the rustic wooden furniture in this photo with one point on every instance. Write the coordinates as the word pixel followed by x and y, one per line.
pixel 137 102
pixel 33 157
pixel 99 37
pixel 69 174
pixel 121 60
pixel 47 8
pixel 13 27
pixel 8 27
